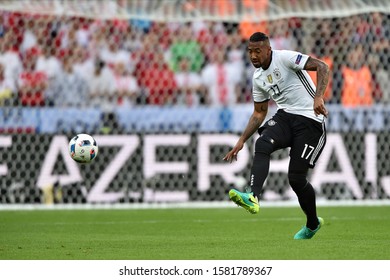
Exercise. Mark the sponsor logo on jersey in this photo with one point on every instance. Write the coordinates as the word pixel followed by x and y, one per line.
pixel 269 77
pixel 298 60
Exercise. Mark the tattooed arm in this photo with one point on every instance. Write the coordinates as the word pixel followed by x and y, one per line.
pixel 322 69
pixel 259 113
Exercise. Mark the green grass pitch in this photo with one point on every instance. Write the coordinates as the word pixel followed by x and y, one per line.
pixel 349 233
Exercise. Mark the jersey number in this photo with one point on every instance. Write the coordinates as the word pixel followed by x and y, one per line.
pixel 307 151
pixel 275 90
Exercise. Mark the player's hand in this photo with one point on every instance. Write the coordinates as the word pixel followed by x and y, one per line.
pixel 319 106
pixel 232 155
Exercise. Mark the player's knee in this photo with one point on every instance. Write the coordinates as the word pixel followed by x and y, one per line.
pixel 264 144
pixel 297 181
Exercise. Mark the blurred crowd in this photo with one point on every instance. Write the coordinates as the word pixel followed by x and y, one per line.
pixel 81 62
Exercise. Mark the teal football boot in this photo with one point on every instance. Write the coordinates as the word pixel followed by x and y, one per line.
pixel 306 233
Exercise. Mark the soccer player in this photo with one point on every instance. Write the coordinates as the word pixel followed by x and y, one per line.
pixel 298 124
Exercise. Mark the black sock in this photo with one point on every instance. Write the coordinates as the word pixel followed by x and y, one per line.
pixel 307 201
pixel 260 166
pixel 259 173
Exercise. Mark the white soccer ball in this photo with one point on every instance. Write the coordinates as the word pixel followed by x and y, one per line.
pixel 83 148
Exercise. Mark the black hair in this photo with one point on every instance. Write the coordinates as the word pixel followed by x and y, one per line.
pixel 258 37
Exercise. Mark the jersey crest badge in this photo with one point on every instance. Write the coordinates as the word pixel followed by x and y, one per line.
pixel 269 77
pixel 277 74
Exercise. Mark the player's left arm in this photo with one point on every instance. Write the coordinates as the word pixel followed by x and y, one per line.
pixel 323 71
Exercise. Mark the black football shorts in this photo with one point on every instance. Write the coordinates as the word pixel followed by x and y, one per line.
pixel 306 137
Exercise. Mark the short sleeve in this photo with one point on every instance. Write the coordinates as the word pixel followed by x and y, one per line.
pixel 294 60
pixel 258 94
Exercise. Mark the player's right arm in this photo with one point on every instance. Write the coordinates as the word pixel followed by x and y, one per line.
pixel 258 116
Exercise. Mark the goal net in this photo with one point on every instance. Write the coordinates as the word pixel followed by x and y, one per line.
pixel 165 89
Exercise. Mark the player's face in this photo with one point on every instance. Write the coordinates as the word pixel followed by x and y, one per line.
pixel 259 54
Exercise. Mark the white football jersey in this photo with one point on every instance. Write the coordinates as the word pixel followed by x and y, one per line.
pixel 287 84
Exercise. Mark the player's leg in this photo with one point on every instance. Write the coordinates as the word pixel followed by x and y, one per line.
pixel 265 146
pixel 297 176
pixel 250 201
pixel 307 146
pixel 273 135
